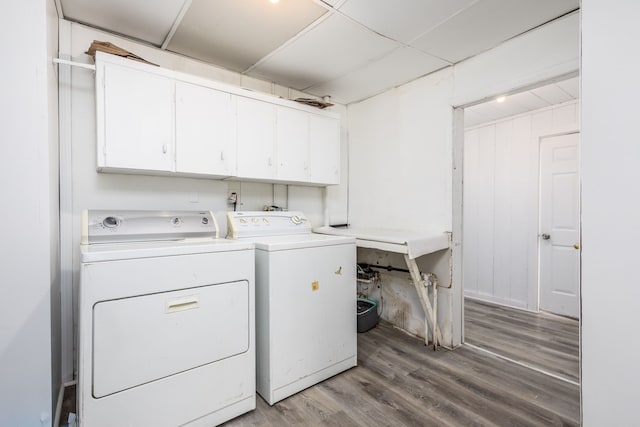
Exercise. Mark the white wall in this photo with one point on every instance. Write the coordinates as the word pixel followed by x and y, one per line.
pixel 501 174
pixel 610 212
pixel 27 268
pixel 401 142
pixel 400 161
pixel 83 188
pixel 54 205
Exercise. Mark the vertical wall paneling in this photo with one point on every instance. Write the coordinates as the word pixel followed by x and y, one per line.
pixel 54 198
pixel 502 208
pixel 469 227
pixel 523 211
pixel 66 207
pixel 501 174
pixel 456 302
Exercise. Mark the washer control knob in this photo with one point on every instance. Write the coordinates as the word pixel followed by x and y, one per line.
pixel 205 220
pixel 111 222
pixel 243 220
pixel 265 220
pixel 296 220
pixel 176 220
pixel 255 220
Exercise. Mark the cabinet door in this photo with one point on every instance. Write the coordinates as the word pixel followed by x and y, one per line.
pixel 256 138
pixel 137 120
pixel 292 144
pixel 324 150
pixel 204 131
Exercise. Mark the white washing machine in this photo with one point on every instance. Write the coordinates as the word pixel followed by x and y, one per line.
pixel 306 318
pixel 166 321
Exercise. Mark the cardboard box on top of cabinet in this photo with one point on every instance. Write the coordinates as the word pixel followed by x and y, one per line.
pixel 114 50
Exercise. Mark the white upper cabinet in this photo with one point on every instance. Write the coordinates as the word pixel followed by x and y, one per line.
pixel 256 139
pixel 292 144
pixel 135 120
pixel 283 144
pixel 152 120
pixel 205 131
pixel 324 150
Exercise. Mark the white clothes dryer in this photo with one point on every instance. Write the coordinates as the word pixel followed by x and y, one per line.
pixel 306 317
pixel 166 321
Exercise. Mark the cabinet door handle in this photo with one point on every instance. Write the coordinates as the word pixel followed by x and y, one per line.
pixel 222 155
pixel 269 162
pixel 164 148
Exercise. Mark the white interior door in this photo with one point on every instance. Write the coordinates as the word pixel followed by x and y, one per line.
pixel 560 225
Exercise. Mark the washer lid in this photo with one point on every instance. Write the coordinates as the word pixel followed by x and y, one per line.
pixel 300 241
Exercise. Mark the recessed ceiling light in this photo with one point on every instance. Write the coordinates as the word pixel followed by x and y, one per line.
pixel 501 98
pixel 274 1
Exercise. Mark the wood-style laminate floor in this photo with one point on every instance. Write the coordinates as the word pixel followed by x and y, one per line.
pixel 542 340
pixel 401 382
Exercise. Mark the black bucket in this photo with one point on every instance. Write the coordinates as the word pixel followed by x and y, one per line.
pixel 367 314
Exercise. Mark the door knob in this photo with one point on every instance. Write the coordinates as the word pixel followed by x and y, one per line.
pixel 576 245
pixel 545 236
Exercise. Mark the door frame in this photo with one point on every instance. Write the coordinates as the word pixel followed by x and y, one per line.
pixel 457 202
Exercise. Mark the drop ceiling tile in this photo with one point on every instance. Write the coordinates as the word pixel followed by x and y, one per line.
pixel 510 107
pixel 147 20
pixel 494 110
pixel 552 94
pixel 489 110
pixel 528 100
pixel 531 100
pixel 473 118
pixel 331 49
pixel 400 66
pixel 236 34
pixel 404 20
pixel 486 24
pixel 571 86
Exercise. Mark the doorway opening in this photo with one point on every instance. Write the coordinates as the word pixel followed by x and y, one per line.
pixel 520 184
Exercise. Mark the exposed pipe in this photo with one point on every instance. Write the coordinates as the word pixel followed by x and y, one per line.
pixel 325 199
pixel 432 279
pixel 421 281
pixel 74 64
pixel 388 268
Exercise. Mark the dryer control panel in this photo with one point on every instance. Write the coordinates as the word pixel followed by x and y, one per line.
pixel 243 224
pixel 104 226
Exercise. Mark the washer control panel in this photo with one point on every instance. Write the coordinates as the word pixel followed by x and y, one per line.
pixel 244 224
pixel 102 226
